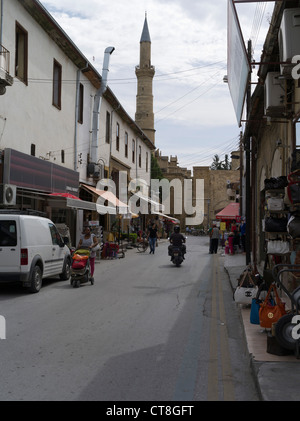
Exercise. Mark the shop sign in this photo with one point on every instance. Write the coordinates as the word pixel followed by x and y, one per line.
pixel 33 173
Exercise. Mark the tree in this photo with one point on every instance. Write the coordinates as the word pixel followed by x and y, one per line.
pixel 156 172
pixel 217 164
pixel 220 165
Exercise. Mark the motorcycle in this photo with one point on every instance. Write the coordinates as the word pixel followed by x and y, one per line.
pixel 177 256
pixel 80 269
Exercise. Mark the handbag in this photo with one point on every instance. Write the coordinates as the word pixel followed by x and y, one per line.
pixel 278 247
pixel 256 302
pixel 246 290
pixel 270 313
pixel 294 192
pixel 276 183
pixel 275 203
pixel 293 226
pixel 275 224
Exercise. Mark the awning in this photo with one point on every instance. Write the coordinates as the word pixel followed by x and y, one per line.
pixel 110 197
pixel 91 206
pixel 175 220
pixel 231 211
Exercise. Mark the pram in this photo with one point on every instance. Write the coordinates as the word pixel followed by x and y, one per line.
pixel 80 269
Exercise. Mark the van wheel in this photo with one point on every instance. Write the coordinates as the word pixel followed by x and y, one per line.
pixel 65 275
pixel 36 280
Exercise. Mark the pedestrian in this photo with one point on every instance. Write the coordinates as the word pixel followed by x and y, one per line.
pixel 215 236
pixel 243 234
pixel 89 240
pixel 210 242
pixel 152 238
pixel 230 242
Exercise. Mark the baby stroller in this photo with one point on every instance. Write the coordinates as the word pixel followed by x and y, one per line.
pixel 80 269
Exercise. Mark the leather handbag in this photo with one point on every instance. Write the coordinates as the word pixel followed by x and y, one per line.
pixel 275 204
pixel 276 183
pixel 278 247
pixel 293 226
pixel 269 312
pixel 246 290
pixel 276 224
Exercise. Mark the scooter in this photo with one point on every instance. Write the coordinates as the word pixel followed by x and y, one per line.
pixel 177 256
pixel 80 269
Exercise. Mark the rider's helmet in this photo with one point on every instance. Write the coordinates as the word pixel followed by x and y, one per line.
pixel 177 230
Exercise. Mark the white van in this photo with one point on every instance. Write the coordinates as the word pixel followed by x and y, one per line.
pixel 31 249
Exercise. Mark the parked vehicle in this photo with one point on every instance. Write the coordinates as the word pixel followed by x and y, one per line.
pixel 31 249
pixel 80 269
pixel 177 256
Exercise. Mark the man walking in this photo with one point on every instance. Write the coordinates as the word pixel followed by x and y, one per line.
pixel 215 236
pixel 152 238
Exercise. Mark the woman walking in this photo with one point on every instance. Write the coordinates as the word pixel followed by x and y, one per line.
pixel 89 240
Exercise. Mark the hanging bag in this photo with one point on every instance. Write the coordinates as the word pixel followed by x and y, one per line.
pixel 275 224
pixel 246 290
pixel 278 247
pixel 269 312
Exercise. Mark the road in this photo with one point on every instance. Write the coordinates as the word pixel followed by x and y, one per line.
pixel 146 331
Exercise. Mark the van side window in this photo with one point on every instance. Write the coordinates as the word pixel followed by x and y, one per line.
pixel 8 234
pixel 56 238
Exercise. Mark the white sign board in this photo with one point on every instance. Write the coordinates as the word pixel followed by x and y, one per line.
pixel 237 62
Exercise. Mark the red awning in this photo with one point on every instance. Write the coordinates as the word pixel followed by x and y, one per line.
pixel 231 211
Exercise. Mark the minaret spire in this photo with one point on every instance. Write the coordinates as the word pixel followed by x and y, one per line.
pixel 145 72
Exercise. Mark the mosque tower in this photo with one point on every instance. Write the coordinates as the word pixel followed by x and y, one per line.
pixel 145 72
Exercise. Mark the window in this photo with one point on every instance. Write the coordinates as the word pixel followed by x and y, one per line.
pixel 80 104
pixel 32 149
pixel 62 156
pixel 57 74
pixel 126 145
pixel 133 150
pixel 8 234
pixel 118 137
pixel 56 238
pixel 140 156
pixel 147 161
pixel 107 133
pixel 21 63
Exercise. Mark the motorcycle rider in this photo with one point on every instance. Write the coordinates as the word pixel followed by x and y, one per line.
pixel 177 240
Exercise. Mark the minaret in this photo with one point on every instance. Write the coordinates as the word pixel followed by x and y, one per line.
pixel 144 116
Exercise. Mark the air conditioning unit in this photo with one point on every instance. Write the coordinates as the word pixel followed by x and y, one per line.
pixel 8 194
pixel 289 39
pixel 274 95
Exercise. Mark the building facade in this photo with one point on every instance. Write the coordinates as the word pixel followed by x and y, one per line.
pixel 46 122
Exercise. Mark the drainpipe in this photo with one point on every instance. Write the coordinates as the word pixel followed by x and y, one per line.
pixel 1 23
pixel 97 104
pixel 76 113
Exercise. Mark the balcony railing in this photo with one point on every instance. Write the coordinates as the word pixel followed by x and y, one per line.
pixel 4 59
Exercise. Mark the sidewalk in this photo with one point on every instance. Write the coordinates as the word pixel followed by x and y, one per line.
pixel 278 378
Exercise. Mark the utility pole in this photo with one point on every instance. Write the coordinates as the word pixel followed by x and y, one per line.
pixel 247 144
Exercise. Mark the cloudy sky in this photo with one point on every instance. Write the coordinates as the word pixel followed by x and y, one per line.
pixel 194 115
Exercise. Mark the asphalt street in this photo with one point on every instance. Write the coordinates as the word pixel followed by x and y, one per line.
pixel 146 331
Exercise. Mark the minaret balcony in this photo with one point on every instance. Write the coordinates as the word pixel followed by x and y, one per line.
pixel 145 70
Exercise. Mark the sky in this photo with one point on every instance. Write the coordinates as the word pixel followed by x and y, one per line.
pixel 194 113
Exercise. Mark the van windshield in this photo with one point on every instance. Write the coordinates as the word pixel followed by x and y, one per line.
pixel 8 234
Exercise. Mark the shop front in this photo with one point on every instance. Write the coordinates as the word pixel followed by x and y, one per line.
pixel 42 186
